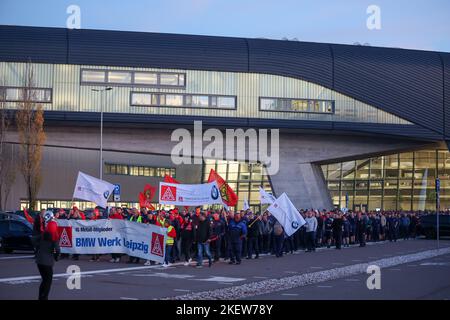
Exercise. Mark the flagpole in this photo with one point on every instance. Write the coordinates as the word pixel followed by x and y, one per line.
pixel 254 221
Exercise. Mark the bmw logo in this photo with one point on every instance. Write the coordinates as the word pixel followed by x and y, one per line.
pixel 214 193
pixel 106 194
pixel 294 224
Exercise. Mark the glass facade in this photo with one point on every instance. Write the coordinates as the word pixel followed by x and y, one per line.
pixel 404 181
pixel 296 105
pixel 147 99
pixel 128 77
pixel 21 94
pixel 244 178
pixel 83 205
pixel 134 170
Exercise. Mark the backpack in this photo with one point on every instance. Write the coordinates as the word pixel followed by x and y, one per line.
pixel 277 229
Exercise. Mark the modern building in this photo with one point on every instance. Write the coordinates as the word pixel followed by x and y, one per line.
pixel 363 127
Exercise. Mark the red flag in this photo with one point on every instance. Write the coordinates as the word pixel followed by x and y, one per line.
pixel 228 196
pixel 169 179
pixel 27 216
pixel 146 197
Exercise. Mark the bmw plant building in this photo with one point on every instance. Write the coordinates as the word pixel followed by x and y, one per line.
pixel 360 127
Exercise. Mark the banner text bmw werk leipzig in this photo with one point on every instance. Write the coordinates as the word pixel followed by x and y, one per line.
pixel 112 236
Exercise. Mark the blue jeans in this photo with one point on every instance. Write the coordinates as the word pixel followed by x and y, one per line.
pixel 200 248
pixel 168 253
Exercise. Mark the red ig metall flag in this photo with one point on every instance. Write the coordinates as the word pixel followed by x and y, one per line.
pixel 145 198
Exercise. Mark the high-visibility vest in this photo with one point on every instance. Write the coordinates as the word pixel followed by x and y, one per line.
pixel 169 240
pixel 160 222
pixel 139 219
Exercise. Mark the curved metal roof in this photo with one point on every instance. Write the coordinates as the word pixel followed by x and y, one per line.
pixel 412 84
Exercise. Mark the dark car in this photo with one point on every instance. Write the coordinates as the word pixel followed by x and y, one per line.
pixel 15 233
pixel 427 225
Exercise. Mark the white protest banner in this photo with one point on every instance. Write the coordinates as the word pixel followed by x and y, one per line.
pixel 92 189
pixel 189 194
pixel 286 214
pixel 265 197
pixel 112 236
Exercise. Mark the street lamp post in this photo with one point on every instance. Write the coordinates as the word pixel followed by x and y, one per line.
pixel 102 91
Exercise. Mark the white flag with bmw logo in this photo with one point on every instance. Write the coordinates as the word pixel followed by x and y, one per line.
pixel 92 189
pixel 286 214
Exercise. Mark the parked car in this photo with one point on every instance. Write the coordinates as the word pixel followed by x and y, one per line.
pixel 428 225
pixel 9 215
pixel 15 233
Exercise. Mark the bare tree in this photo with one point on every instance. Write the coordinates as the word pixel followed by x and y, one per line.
pixel 30 126
pixel 7 165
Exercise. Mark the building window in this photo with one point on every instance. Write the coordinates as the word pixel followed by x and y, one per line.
pixel 138 171
pixel 171 100
pixel 404 181
pixel 244 178
pixel 296 105
pixel 21 94
pixel 171 79
pixel 132 78
pixel 93 76
pixel 147 99
pixel 119 77
pixel 146 78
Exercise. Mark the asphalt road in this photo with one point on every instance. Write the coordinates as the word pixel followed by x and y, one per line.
pixel 424 279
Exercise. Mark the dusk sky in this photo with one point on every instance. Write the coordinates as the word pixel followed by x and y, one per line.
pixel 406 24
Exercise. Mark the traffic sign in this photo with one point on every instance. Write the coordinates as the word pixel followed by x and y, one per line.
pixel 116 192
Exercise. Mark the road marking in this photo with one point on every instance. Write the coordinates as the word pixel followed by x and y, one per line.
pixel 18 257
pixel 221 279
pixel 289 294
pixel 293 272
pixel 338 263
pixel 256 277
pixel 351 280
pixel 324 286
pixel 22 281
pixel 127 298
pixel 268 286
pixel 83 273
pixel 434 264
pixel 316 267
pixel 356 260
pixel 163 275
pixel 182 290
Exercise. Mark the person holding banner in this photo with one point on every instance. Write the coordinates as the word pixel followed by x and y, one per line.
pixel 202 235
pixel 114 214
pixel 136 217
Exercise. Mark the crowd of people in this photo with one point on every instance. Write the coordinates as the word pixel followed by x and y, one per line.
pixel 226 235
pixel 231 236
